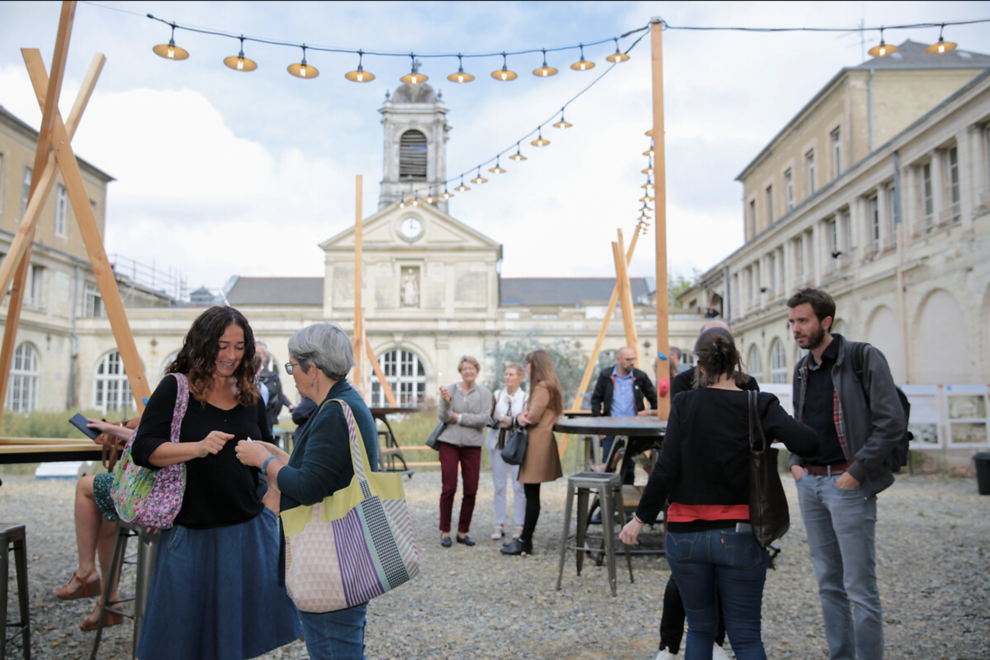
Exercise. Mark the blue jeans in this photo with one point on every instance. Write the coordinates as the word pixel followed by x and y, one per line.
pixel 335 635
pixel 841 526
pixel 732 564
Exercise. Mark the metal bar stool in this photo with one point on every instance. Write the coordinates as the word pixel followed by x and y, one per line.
pixel 147 545
pixel 608 488
pixel 15 539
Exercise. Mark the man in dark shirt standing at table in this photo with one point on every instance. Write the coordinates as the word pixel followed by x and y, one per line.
pixel 857 414
pixel 619 392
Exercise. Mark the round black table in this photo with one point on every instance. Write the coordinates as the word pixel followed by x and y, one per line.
pixel 647 425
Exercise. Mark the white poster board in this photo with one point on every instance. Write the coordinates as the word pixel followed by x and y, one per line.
pixel 926 420
pixel 966 411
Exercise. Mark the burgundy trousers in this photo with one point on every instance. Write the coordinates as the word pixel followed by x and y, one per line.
pixel 470 460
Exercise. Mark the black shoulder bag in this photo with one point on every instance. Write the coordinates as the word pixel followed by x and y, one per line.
pixel 768 512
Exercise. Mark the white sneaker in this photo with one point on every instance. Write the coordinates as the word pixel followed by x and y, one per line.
pixel 664 654
pixel 718 653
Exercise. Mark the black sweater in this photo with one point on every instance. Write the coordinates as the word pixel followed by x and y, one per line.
pixel 704 463
pixel 220 490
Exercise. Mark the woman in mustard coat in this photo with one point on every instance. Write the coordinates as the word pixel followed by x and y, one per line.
pixel 542 462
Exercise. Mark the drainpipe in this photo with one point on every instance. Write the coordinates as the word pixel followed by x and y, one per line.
pixel 73 343
pixel 900 234
pixel 869 103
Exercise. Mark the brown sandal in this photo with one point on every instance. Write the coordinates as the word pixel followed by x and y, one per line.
pixel 112 619
pixel 87 588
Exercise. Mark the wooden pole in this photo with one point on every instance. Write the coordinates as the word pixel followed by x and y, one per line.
pixel 358 310
pixel 660 173
pixel 628 309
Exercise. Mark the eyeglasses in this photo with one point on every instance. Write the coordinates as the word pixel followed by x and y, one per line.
pixel 289 366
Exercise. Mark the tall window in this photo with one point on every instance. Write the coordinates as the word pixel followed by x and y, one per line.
pixel 92 207
pixel 789 184
pixel 405 375
pixel 61 208
pixel 34 294
pixel 799 259
pixel 26 190
pixel 754 366
pixel 836 153
pixel 772 273
pixel 23 393
pixel 809 159
pixel 752 218
pixel 93 302
pixel 778 362
pixel 891 219
pixel 832 236
pixel 926 190
pixel 111 391
pixel 769 205
pixel 953 175
pixel 847 232
pixel 873 218
pixel 412 156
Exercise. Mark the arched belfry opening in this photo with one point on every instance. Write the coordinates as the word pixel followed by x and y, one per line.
pixel 415 135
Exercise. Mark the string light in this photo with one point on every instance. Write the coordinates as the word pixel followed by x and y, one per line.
pixel 479 179
pixel 545 71
pixel 414 77
pixel 649 170
pixel 518 157
pixel 648 185
pixel 497 169
pixel 462 187
pixel 942 46
pixel 582 64
pixel 303 70
pixel 883 50
pixel 562 123
pixel 618 55
pixel 646 198
pixel 239 62
pixel 170 51
pixel 430 199
pixel 446 194
pixel 649 152
pixel 359 74
pixel 649 133
pixel 539 141
pixel 460 76
pixel 504 74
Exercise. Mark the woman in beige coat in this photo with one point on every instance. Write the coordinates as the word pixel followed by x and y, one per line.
pixel 542 462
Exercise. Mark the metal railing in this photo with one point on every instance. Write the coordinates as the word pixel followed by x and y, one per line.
pixel 170 282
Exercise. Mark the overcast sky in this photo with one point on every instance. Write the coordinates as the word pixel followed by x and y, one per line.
pixel 222 173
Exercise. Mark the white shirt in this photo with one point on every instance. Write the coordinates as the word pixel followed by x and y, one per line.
pixel 505 405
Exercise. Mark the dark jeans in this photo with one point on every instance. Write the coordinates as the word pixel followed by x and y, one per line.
pixel 470 460
pixel 532 511
pixel 672 619
pixel 335 635
pixel 732 564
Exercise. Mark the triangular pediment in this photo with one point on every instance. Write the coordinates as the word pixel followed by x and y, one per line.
pixel 433 230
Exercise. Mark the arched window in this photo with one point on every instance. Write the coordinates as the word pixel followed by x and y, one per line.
pixel 778 362
pixel 169 360
pixel 406 376
pixel 22 395
pixel 412 156
pixel 754 366
pixel 111 390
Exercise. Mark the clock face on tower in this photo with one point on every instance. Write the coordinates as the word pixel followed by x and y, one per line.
pixel 411 228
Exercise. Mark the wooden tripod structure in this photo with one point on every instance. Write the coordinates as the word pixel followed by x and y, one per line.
pixel 55 153
pixel 362 347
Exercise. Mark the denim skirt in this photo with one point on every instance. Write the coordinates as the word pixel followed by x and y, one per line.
pixel 215 595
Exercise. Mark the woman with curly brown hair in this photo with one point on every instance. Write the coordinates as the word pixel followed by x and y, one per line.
pixel 214 593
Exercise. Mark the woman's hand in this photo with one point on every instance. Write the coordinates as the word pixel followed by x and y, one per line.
pixel 798 472
pixel 115 430
pixel 213 443
pixel 253 454
pixel 505 422
pixel 522 419
pixel 274 450
pixel 445 393
pixel 630 533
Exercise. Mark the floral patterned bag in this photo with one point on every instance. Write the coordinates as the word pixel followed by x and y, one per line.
pixel 152 498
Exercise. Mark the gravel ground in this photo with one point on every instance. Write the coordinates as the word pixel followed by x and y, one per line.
pixel 933 554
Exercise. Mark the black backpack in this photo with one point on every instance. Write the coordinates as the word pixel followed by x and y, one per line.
pixel 898 458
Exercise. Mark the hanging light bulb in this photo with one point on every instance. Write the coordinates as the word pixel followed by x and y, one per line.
pixel 446 194
pixel 359 74
pixel 644 208
pixel 479 179
pixel 942 46
pixel 648 185
pixel 170 51
pixel 497 169
pixel 618 55
pixel 303 70
pixel 562 123
pixel 430 199
pixel 539 141
pixel 239 62
pixel 402 203
pixel 649 133
pixel 646 198
pixel 582 64
pixel 545 71
pixel 883 50
pixel 649 152
pixel 460 76
pixel 414 77
pixel 462 187
pixel 504 74
pixel 649 170
pixel 518 157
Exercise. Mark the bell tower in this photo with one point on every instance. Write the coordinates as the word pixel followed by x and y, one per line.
pixel 415 145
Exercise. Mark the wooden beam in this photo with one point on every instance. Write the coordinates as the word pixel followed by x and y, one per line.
pixel 358 308
pixel 626 299
pixel 660 174
pixel 381 375
pixel 11 323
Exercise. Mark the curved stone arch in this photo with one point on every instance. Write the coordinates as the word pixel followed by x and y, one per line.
pixel 883 330
pixel 167 361
pixel 754 363
pixel 778 351
pixel 939 333
pixel 111 389
pixel 839 326
pixel 407 374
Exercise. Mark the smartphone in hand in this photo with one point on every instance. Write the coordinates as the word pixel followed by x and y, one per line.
pixel 81 423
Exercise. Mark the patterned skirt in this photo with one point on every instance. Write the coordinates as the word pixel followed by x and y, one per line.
pixel 215 596
pixel 101 491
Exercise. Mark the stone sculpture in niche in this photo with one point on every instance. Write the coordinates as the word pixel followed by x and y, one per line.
pixel 410 287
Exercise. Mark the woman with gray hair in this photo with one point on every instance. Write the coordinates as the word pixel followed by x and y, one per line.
pixel 320 357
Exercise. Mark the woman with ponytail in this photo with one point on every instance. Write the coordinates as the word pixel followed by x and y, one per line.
pixel 704 470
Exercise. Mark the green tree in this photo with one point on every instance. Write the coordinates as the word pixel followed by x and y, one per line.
pixel 678 284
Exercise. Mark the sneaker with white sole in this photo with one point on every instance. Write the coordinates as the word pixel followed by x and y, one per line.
pixel 718 653
pixel 664 654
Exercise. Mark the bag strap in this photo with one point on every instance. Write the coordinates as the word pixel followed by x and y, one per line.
pixel 754 420
pixel 181 405
pixel 359 455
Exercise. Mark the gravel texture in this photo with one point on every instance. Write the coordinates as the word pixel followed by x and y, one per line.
pixel 933 560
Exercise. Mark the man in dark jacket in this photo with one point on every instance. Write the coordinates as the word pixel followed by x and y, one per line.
pixel 619 392
pixel 859 423
pixel 269 376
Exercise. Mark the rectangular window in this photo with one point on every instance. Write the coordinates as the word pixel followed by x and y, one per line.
pixel 772 274
pixel 926 190
pixel 789 181
pixel 769 205
pixel 93 302
pixel 810 160
pixel 953 176
pixel 799 259
pixel 847 232
pixel 34 293
pixel 836 153
pixel 92 207
pixel 27 190
pixel 891 209
pixel 752 218
pixel 61 209
pixel 873 218
pixel 832 236
pixel 734 295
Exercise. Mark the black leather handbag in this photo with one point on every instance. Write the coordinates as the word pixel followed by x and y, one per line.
pixel 768 511
pixel 514 452
pixel 433 442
